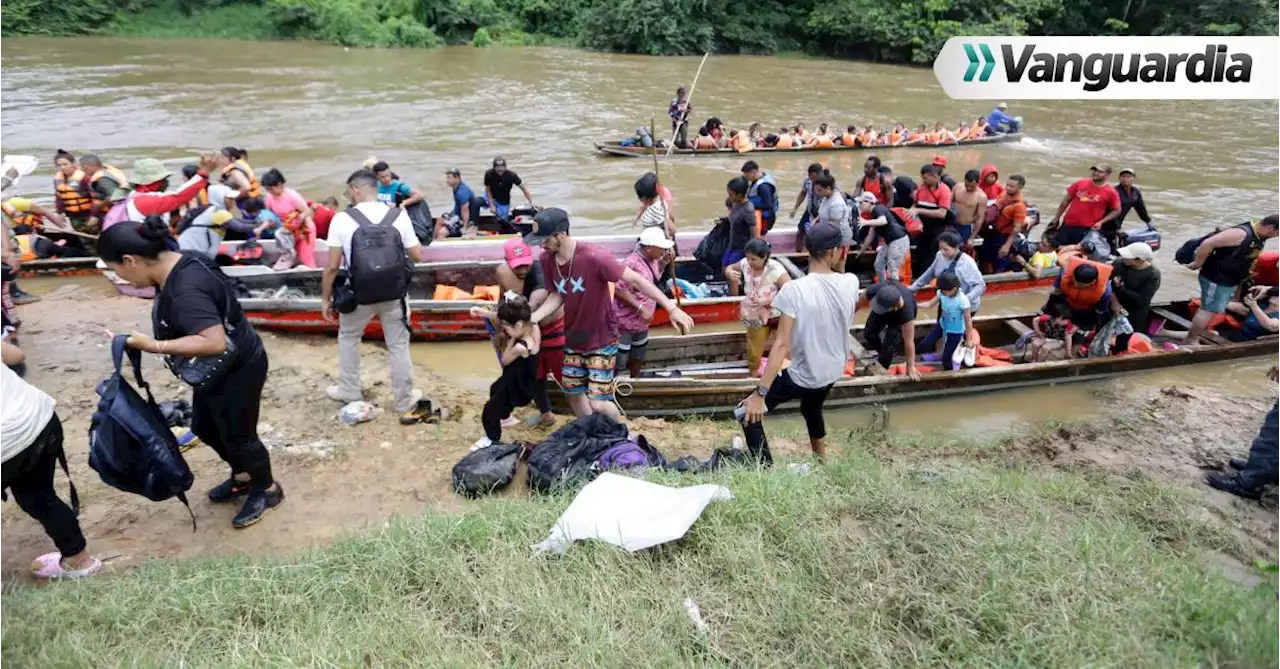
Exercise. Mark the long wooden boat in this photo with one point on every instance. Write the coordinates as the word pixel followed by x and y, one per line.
pixel 713 380
pixel 609 148
pixel 86 266
pixel 442 320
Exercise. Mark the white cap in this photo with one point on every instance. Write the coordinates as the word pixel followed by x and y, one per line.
pixel 1002 105
pixel 1138 251
pixel 867 197
pixel 654 236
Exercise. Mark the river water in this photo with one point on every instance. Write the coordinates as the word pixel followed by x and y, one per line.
pixel 317 111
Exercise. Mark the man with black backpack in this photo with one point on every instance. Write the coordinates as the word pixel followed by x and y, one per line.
pixel 1225 259
pixel 377 243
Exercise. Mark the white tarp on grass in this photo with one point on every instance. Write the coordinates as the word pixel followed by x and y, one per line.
pixel 630 513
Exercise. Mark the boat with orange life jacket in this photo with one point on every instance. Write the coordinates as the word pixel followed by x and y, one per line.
pixel 713 377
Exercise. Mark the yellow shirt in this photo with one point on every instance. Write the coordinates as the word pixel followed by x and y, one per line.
pixel 17 204
pixel 1043 260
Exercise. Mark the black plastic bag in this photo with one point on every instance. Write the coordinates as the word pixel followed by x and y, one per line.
pixel 176 413
pixel 424 228
pixel 486 470
pixel 711 249
pixel 568 456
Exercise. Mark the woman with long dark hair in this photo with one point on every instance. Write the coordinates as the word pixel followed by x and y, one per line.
pixel 210 344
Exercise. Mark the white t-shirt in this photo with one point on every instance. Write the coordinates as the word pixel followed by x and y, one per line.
pixel 25 410
pixel 655 215
pixel 343 227
pixel 822 306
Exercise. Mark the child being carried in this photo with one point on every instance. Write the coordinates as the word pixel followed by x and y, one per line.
pixel 519 384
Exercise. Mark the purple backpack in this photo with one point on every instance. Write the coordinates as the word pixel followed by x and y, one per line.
pixel 629 454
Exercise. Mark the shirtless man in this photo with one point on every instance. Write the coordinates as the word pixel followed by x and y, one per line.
pixel 971 207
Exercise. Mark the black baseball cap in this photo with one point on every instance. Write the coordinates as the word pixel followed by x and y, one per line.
pixel 887 298
pixel 453 172
pixel 499 162
pixel 546 223
pixel 823 237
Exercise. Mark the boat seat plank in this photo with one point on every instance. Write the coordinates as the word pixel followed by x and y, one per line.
pixel 1182 322
pixel 866 362
pixel 1018 327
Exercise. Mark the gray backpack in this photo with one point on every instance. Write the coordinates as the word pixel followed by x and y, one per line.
pixel 379 269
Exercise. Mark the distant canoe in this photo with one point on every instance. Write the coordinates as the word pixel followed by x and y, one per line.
pixel 616 148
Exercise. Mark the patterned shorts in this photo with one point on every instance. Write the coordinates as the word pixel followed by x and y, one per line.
pixel 590 372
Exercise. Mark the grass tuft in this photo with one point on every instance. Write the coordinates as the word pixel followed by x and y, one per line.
pixel 855 564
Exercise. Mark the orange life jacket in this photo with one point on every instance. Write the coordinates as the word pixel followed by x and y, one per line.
pixel 1265 268
pixel 784 142
pixel 67 190
pixel 255 188
pixel 848 139
pixel 917 136
pixel 22 219
pixel 978 130
pixel 201 198
pixel 963 134
pixel 741 143
pixel 1086 298
pixel 824 142
pixel 106 171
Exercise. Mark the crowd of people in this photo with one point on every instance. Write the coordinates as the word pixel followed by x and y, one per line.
pixel 713 136
pixel 227 200
pixel 580 315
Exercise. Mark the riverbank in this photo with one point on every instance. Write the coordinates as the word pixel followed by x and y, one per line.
pixel 1046 547
pixel 858 29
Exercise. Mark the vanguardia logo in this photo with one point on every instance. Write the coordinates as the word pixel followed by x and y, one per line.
pixel 988 62
pixel 1109 67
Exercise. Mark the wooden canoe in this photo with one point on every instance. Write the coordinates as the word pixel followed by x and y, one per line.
pixel 616 148
pixel 443 320
pixel 714 380
pixel 86 266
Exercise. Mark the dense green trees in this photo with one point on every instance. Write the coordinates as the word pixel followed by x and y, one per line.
pixel 902 31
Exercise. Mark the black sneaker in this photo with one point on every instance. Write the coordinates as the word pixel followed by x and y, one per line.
pixel 1231 483
pixel 1238 464
pixel 228 490
pixel 257 506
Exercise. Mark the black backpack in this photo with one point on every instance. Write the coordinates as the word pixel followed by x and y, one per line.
pixel 130 444
pixel 379 269
pixel 1187 252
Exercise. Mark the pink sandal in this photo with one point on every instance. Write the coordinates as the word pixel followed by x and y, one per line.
pixel 49 567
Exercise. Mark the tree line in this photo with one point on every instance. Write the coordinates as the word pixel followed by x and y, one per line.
pixel 911 31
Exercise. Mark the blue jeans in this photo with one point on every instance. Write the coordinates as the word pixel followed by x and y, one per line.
pixel 990 252
pixel 501 210
pixel 1214 296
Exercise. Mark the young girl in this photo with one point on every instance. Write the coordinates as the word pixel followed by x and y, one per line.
pixel 759 278
pixel 1054 326
pixel 519 383
pixel 954 317
pixel 292 209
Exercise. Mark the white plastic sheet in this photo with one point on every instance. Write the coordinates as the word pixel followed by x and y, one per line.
pixel 23 165
pixel 630 513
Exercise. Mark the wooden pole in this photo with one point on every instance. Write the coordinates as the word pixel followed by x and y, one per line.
pixel 675 288
pixel 49 228
pixel 683 121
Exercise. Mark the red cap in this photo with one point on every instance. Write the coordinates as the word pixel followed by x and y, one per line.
pixel 940 161
pixel 518 253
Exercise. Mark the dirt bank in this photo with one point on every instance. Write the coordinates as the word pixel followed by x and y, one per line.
pixel 340 479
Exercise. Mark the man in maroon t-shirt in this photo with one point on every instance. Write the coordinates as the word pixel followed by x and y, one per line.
pixel 577 276
pixel 1088 205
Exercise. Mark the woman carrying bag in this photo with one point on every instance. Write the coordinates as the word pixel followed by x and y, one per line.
pixel 209 344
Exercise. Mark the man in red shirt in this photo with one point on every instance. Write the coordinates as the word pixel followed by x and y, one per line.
pixel 1088 205
pixel 577 276
pixel 933 207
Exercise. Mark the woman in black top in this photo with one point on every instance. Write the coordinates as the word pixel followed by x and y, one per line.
pixel 196 315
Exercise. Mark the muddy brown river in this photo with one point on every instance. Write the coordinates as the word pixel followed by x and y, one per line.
pixel 317 111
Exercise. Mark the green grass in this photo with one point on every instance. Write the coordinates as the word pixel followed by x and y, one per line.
pixel 246 21
pixel 857 564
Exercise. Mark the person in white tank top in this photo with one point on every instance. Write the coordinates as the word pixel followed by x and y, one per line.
pixel 31 439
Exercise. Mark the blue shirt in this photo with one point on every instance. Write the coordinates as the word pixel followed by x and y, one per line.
pixel 387 193
pixel 997 117
pixel 952 320
pixel 462 197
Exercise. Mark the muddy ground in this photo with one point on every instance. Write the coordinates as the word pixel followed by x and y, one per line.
pixel 341 479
